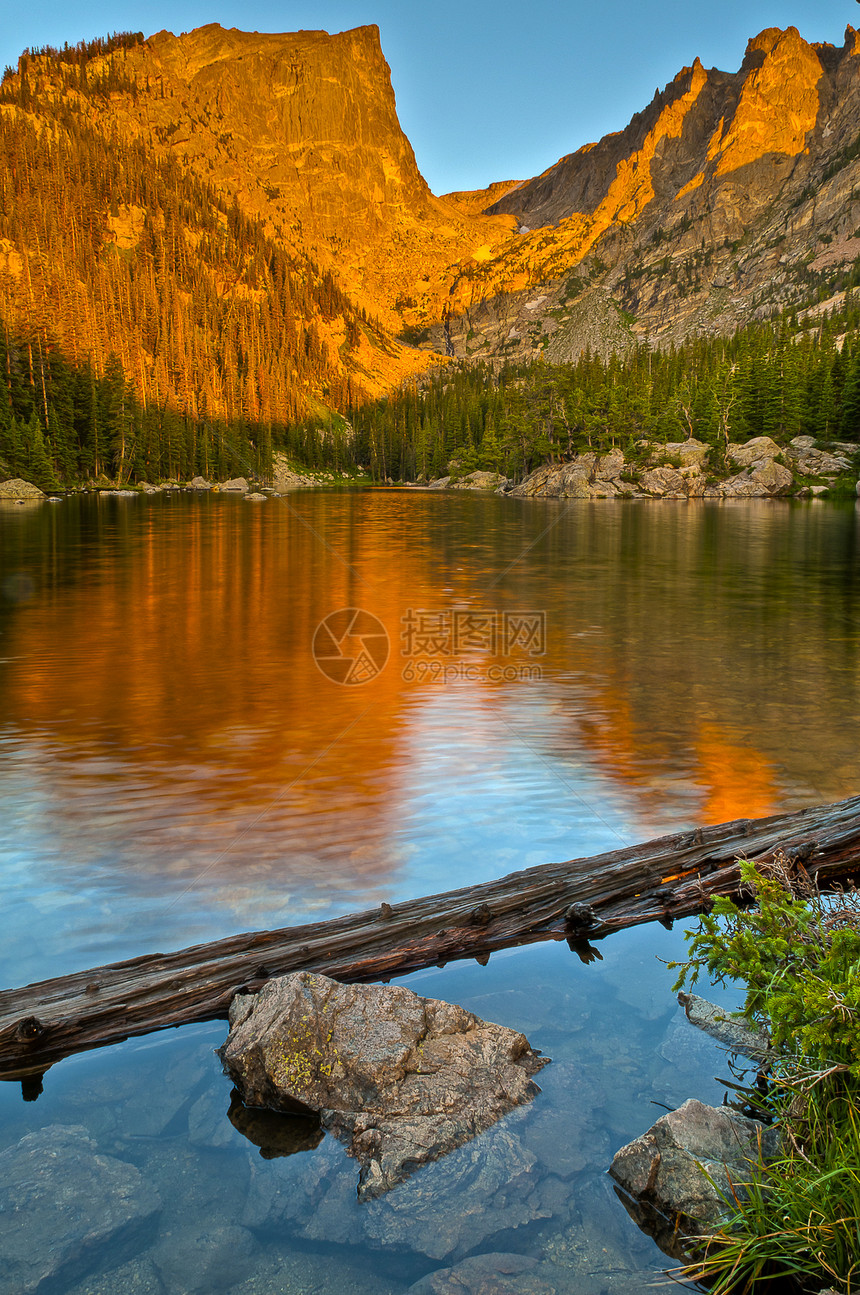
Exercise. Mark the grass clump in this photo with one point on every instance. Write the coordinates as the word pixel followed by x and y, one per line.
pixel 798 952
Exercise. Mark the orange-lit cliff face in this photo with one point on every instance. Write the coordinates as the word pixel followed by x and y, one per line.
pixel 302 129
pixel 714 194
pixel 300 132
pixel 655 215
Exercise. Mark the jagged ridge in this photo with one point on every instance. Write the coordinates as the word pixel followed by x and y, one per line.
pixel 729 193
pixel 701 212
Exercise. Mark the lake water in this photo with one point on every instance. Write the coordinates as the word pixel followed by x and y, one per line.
pixel 177 766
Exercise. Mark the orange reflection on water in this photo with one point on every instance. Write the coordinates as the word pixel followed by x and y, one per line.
pixel 162 690
pixel 739 781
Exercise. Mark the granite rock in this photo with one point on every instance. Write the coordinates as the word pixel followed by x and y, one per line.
pixel 15 488
pixel 690 1161
pixel 401 1080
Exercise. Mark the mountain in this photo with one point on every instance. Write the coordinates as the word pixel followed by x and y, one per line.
pixel 235 216
pixel 302 129
pixel 237 224
pixel 730 195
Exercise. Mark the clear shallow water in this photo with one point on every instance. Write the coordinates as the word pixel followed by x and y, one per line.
pixel 175 767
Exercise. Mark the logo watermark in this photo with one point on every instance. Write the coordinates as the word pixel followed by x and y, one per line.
pixel 352 646
pixel 434 670
pixel 452 633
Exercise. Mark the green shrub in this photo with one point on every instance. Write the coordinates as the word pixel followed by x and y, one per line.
pixel 798 952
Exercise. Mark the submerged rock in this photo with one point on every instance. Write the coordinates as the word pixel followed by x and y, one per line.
pixel 689 1164
pixel 481 1192
pixel 402 1080
pixel 493 1274
pixel 210 1258
pixel 732 1034
pixel 64 1207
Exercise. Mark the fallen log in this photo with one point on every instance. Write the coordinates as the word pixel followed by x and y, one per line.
pixel 584 899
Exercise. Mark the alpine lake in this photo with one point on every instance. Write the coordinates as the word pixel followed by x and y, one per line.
pixel 561 679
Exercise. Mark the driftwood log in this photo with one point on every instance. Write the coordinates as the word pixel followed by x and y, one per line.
pixel 581 900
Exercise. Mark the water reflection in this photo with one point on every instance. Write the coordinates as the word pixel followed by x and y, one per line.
pixel 175 767
pixel 275 1133
pixel 168 735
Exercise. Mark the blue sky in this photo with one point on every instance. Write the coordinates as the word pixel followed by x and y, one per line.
pixel 486 89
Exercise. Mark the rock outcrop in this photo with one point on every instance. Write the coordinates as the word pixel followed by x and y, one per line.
pixel 641 232
pixel 480 481
pixel 402 1080
pixel 285 478
pixel 680 470
pixel 699 216
pixel 15 488
pixel 691 1161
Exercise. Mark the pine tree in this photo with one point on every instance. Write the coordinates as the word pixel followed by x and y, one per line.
pixel 849 421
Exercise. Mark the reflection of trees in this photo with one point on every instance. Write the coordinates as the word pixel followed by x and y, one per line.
pixel 704 657
pixel 183 675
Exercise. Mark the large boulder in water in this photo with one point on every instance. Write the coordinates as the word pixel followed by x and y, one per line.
pixel 402 1080
pixel 691 1163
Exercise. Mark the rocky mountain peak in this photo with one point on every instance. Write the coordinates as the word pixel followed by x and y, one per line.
pixel 730 188
pixel 716 195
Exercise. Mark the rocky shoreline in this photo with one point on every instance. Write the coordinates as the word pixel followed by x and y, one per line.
pixel 760 468
pixel 284 479
pixel 757 469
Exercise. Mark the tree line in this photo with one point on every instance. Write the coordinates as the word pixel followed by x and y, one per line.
pixel 781 378
pixel 114 261
pixel 61 421
pixel 150 329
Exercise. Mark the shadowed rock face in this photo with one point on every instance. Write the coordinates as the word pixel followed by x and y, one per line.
pixel 704 125
pixel 402 1080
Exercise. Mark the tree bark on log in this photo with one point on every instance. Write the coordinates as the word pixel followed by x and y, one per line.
pixel 584 899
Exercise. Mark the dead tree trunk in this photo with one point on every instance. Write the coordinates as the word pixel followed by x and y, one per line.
pixel 581 900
